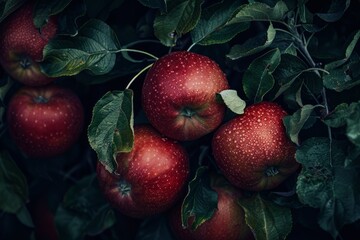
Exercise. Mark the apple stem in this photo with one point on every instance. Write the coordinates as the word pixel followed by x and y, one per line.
pixel 271 171
pixel 138 74
pixel 138 51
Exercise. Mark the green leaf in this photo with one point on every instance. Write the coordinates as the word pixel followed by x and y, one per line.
pixel 24 217
pixel 101 9
pixel 43 9
pixel 336 11
pixel 93 49
pixel 233 101
pixel 294 123
pixel 267 220
pixel 180 19
pixel 253 45
pixel 84 211
pixel 161 4
pixel 13 185
pixel 326 184
pixel 9 6
pixel 111 129
pixel 214 27
pixel 256 11
pixel 337 117
pixel 258 78
pixel 69 16
pixel 288 71
pixel 200 201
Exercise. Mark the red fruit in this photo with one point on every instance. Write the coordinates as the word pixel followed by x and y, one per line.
pixel 150 178
pixel 253 151
pixel 22 44
pixel 179 95
pixel 45 121
pixel 227 223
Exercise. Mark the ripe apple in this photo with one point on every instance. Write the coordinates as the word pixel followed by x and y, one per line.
pixel 22 44
pixel 227 222
pixel 45 121
pixel 149 179
pixel 253 151
pixel 179 95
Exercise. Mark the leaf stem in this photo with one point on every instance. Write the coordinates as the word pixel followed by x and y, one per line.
pixel 138 51
pixel 138 74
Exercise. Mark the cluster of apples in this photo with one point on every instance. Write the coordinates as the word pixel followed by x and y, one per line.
pixel 179 99
pixel 44 119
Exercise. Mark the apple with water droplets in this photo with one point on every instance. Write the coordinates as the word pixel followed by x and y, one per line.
pixel 226 223
pixel 22 44
pixel 179 95
pixel 149 179
pixel 253 151
pixel 45 121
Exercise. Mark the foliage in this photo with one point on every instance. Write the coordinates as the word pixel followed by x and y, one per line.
pixel 303 54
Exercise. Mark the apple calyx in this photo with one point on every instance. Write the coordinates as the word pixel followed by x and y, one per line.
pixel 187 112
pixel 25 62
pixel 271 171
pixel 41 99
pixel 124 188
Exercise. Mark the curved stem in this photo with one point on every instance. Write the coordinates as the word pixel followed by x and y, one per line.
pixel 191 46
pixel 138 74
pixel 138 51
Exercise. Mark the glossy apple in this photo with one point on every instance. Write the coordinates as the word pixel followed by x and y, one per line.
pixel 150 178
pixel 45 121
pixel 179 95
pixel 227 222
pixel 22 44
pixel 253 151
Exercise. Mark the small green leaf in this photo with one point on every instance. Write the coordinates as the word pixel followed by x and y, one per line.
pixel 294 123
pixel 256 11
pixel 233 101
pixel 253 45
pixel 258 78
pixel 267 220
pixel 336 11
pixel 9 6
pixel 13 185
pixel 326 184
pixel 111 128
pixel 180 19
pixel 43 9
pixel 214 27
pixel 200 201
pixel 84 211
pixel 337 117
pixel 24 217
pixel 93 49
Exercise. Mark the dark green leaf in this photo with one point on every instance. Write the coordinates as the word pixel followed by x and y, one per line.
pixel 9 6
pixel 233 101
pixel 214 27
pixel 337 118
pixel 161 4
pixel 256 11
pixel 112 127
pixel 84 211
pixel 101 9
pixel 13 185
pixel 45 8
pixel 179 20
pixel 24 217
pixel 154 228
pixel 93 48
pixel 336 11
pixel 294 123
pixel 267 220
pixel 253 45
pixel 326 184
pixel 200 201
pixel 69 16
pixel 258 78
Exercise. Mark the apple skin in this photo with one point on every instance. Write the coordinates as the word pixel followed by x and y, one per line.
pixel 179 95
pixel 227 223
pixel 149 179
pixel 253 151
pixel 45 121
pixel 22 44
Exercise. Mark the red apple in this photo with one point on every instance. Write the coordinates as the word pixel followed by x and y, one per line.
pixel 253 151
pixel 179 95
pixel 45 121
pixel 22 44
pixel 227 222
pixel 149 179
